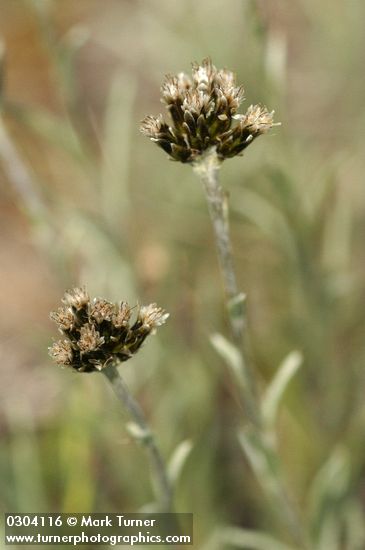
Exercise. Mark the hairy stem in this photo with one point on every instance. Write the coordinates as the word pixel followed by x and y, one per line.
pixel 208 170
pixel 145 436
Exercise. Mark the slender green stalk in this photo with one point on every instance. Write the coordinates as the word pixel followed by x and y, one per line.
pixel 208 170
pixel 145 436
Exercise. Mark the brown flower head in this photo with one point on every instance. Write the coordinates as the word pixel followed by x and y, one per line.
pixel 64 318
pixel 99 332
pixel 204 115
pixel 102 310
pixel 76 298
pixel 61 352
pixel 152 316
pixel 90 339
pixel 122 315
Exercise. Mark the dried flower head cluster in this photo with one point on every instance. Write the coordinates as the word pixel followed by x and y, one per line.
pixel 98 332
pixel 204 115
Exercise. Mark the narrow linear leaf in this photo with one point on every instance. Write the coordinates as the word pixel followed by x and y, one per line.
pixel 337 234
pixel 258 460
pixel 241 375
pixel 265 465
pixel 49 126
pixel 330 535
pixel 354 522
pixel 328 491
pixel 230 354
pixel 276 389
pixel 136 431
pixel 178 459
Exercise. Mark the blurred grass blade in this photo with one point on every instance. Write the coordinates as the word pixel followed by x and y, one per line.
pixel 213 543
pixel 250 540
pixel 116 148
pixel 178 459
pixel 330 535
pixel 355 526
pixel 54 129
pixel 19 175
pixel 276 58
pixel 230 354
pixel 24 452
pixel 2 71
pixel 88 238
pixel 338 233
pixel 75 453
pixel 149 508
pixel 278 385
pixel 328 491
pixel 268 219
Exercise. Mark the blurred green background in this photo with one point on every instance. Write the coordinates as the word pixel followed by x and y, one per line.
pixel 85 198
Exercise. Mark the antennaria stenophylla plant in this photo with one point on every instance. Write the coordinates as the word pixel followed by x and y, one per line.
pixel 205 130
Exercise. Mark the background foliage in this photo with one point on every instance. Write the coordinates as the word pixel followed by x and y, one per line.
pixel 85 198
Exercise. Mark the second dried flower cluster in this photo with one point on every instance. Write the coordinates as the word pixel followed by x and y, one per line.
pixel 99 332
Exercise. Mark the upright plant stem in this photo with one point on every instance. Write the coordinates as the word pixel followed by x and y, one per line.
pixel 145 436
pixel 208 169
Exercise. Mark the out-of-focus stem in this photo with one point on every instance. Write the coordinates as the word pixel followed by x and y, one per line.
pixel 145 436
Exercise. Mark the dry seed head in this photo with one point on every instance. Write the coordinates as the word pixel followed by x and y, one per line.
pixel 258 119
pixel 99 332
pixel 90 339
pixel 77 298
pixel 152 316
pixel 122 315
pixel 174 87
pixel 102 310
pixel 203 112
pixel 197 102
pixel 64 318
pixel 61 352
pixel 203 75
pixel 152 126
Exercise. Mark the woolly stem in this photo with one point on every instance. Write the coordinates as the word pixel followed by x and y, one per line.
pixel 208 171
pixel 143 434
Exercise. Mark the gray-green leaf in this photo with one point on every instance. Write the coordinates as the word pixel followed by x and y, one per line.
pixel 278 385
